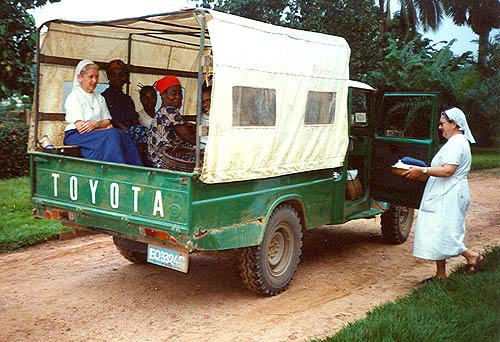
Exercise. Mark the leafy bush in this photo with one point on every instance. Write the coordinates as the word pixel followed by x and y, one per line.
pixel 14 161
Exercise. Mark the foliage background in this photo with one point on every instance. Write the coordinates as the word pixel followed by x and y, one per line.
pixel 13 147
pixel 388 52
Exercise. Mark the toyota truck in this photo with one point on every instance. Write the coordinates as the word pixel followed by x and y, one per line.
pixel 292 143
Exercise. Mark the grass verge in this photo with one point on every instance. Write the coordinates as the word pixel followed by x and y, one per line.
pixel 461 308
pixel 485 158
pixel 18 228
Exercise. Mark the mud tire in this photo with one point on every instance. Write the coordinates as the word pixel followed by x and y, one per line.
pixel 133 251
pixel 396 224
pixel 269 267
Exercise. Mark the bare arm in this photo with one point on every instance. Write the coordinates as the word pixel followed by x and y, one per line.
pixel 89 126
pixel 446 170
pixel 186 132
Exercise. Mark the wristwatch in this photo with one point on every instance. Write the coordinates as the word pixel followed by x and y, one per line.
pixel 425 170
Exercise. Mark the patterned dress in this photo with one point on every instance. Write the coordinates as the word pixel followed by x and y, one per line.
pixel 161 134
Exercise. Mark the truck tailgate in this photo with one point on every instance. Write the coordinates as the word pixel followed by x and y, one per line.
pixel 120 198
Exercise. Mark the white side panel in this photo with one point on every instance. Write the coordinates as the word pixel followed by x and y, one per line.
pixel 293 63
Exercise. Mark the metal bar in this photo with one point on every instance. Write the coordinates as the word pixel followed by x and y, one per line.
pixel 200 18
pixel 129 57
pixel 132 68
pixel 152 35
pixel 37 89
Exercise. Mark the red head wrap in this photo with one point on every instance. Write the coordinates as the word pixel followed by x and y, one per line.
pixel 166 82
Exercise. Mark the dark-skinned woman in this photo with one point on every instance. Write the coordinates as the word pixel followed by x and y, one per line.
pixel 168 128
pixel 120 105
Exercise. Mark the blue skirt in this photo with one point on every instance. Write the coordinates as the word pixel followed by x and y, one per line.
pixel 111 145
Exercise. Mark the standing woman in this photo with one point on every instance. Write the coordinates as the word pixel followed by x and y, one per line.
pixel 440 228
pixel 89 121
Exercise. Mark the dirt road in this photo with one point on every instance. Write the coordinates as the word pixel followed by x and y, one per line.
pixel 83 290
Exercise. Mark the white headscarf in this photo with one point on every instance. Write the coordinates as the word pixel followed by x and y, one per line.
pixel 79 67
pixel 458 116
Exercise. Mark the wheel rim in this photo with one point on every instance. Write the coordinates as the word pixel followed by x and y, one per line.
pixel 403 217
pixel 279 251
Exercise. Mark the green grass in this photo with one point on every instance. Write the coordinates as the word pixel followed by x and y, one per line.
pixel 17 225
pixel 461 308
pixel 485 158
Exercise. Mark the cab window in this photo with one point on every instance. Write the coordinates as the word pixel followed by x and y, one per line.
pixel 358 108
pixel 406 117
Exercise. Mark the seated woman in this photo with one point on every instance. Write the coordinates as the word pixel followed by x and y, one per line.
pixel 206 102
pixel 147 95
pixel 168 128
pixel 89 121
pixel 120 105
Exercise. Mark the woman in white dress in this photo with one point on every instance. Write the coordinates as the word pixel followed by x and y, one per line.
pixel 89 121
pixel 440 227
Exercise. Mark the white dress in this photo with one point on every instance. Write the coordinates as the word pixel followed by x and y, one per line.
pixel 440 228
pixel 84 106
pixel 144 118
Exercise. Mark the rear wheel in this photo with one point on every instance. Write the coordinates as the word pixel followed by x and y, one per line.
pixel 133 251
pixel 396 224
pixel 269 267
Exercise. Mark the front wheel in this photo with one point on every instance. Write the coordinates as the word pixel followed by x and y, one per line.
pixel 396 224
pixel 269 267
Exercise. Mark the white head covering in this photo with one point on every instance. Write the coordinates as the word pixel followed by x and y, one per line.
pixel 79 67
pixel 458 116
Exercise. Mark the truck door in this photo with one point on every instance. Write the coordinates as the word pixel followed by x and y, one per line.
pixel 407 126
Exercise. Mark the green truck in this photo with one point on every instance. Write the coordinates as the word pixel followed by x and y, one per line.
pixel 293 144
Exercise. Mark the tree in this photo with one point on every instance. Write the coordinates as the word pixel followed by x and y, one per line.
pixel 356 21
pixel 481 15
pixel 18 37
pixel 270 11
pixel 427 14
pixel 417 66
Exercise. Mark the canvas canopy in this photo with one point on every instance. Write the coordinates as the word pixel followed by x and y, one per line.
pixel 279 98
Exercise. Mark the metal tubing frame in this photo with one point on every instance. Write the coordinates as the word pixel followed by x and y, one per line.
pixel 200 17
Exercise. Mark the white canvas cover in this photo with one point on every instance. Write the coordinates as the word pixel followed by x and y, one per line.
pixel 246 53
pixel 254 54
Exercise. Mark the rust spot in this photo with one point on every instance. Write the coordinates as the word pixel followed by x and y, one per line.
pixel 200 233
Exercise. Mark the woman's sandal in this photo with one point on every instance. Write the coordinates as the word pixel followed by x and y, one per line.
pixel 431 279
pixel 473 268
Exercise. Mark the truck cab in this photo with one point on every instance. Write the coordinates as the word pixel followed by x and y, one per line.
pixel 293 144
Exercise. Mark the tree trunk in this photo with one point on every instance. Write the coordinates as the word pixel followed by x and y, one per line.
pixel 482 56
pixel 381 17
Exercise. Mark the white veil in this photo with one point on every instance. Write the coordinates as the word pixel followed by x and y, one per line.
pixel 79 67
pixel 458 116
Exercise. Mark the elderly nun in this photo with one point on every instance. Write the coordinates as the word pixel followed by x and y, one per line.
pixel 440 227
pixel 89 122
